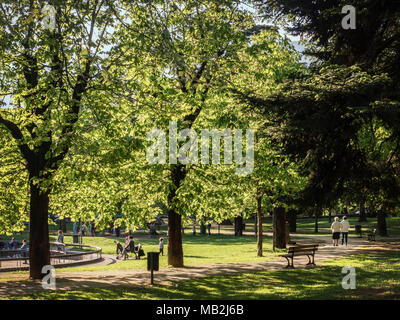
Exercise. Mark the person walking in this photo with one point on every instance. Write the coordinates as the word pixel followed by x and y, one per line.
pixel 345 229
pixel 83 229
pixel 75 228
pixel 161 246
pixel 335 227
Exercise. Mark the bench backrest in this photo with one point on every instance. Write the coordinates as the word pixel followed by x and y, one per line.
pixel 303 248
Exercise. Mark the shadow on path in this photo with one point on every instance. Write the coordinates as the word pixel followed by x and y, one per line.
pixel 18 285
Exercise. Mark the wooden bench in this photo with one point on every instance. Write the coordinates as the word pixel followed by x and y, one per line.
pixel 135 249
pixel 300 250
pixel 371 235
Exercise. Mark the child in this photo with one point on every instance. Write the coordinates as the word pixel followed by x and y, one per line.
pixel 161 246
pixel 60 237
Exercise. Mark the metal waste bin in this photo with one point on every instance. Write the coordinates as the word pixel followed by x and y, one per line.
pixel 153 261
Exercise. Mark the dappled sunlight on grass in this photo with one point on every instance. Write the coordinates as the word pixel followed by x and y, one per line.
pixel 197 250
pixel 377 277
pixel 377 274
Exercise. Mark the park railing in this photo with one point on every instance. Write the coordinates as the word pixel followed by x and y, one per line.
pixel 75 257
pixel 61 255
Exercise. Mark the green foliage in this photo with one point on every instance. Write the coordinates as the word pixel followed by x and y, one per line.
pixel 361 114
pixel 148 64
pixel 317 121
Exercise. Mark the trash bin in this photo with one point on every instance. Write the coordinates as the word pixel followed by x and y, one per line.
pixel 153 261
pixel 75 238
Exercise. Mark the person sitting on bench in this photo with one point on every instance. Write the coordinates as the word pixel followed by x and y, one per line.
pixel 129 246
pixel 12 245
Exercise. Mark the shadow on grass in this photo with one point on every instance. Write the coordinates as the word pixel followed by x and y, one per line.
pixel 377 277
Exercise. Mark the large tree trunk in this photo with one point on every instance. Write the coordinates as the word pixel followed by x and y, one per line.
pixel 259 228
pixel 255 225
pixel 39 246
pixel 382 228
pixel 175 250
pixel 287 232
pixel 202 228
pixel 363 215
pixel 238 226
pixel 317 213
pixel 292 220
pixel 279 228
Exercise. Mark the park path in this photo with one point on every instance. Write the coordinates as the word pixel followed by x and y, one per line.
pixel 16 285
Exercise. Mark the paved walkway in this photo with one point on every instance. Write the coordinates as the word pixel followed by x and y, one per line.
pixel 17 285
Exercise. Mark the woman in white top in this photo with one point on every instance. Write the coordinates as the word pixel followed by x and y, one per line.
pixel 336 227
pixel 345 229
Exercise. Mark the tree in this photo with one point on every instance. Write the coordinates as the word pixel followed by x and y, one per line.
pixel 269 60
pixel 184 44
pixel 49 72
pixel 291 216
pixel 317 121
pixel 382 229
pixel 371 45
pixel 371 48
pixel 279 227
pixel 187 85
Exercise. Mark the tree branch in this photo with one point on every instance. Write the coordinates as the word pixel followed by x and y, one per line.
pixel 16 133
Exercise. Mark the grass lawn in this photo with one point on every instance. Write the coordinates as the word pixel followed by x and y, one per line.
pixel 377 277
pixel 197 250
pixel 203 249
pixel 377 274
